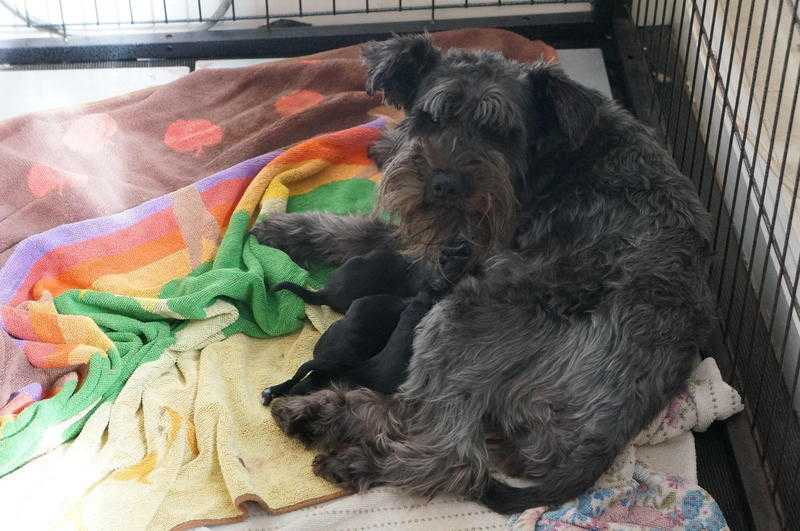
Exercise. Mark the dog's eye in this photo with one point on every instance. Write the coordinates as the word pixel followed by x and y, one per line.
pixel 500 134
pixel 489 129
pixel 427 118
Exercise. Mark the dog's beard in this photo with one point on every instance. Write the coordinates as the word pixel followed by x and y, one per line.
pixel 485 219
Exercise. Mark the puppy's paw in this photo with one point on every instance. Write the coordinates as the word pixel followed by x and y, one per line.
pixel 346 467
pixel 267 395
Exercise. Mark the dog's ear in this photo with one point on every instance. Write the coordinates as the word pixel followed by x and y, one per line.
pixel 572 107
pixel 398 65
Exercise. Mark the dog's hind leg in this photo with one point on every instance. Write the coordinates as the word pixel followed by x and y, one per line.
pixel 314 237
pixel 313 382
pixel 378 442
pixel 369 439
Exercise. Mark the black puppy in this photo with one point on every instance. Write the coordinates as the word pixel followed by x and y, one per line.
pixel 365 329
pixel 386 370
pixel 372 345
pixel 377 272
pixel 345 354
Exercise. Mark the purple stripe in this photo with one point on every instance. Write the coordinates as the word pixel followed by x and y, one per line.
pixel 34 248
pixel 32 390
pixel 378 123
pixel 248 168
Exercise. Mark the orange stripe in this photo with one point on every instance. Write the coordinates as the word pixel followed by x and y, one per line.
pixel 46 355
pixel 85 274
pixel 225 193
pixel 46 327
pixel 17 323
pixel 69 256
pixel 222 213
pixel 350 146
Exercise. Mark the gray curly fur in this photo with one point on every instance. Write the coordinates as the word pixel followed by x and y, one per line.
pixel 581 318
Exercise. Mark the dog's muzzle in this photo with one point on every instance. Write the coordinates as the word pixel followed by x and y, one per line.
pixel 446 187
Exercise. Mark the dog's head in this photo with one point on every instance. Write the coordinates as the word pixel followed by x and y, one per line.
pixel 460 163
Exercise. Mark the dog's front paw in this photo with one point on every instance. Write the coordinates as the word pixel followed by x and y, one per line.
pixel 455 256
pixel 347 467
pixel 307 418
pixel 287 232
pixel 454 259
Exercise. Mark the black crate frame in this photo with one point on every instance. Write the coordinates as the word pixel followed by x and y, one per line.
pixel 633 63
pixel 276 40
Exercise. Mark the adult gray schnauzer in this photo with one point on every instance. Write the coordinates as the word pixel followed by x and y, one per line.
pixel 580 316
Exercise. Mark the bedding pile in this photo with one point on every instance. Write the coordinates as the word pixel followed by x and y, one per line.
pixel 166 306
pixel 136 328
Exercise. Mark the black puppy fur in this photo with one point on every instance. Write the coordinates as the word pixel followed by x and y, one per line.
pixel 385 371
pixel 377 272
pixel 343 354
pixel 346 352
pixel 364 330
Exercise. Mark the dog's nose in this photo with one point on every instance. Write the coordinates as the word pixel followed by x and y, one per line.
pixel 445 186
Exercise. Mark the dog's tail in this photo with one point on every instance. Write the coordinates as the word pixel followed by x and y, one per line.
pixel 317 298
pixel 507 499
pixel 553 480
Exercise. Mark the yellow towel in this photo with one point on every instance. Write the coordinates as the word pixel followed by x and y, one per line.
pixel 187 441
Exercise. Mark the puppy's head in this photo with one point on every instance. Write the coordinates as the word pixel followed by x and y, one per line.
pixel 460 163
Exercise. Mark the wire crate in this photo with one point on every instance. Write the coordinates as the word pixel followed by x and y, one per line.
pixel 723 80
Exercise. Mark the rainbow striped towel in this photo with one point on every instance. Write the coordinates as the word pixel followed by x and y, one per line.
pixel 110 294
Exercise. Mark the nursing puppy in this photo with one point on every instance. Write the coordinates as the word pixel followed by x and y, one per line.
pixel 377 272
pixel 581 319
pixel 372 345
pixel 346 347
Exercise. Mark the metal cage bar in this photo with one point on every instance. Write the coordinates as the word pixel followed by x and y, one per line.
pixel 200 12
pixel 726 81
pixel 170 38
